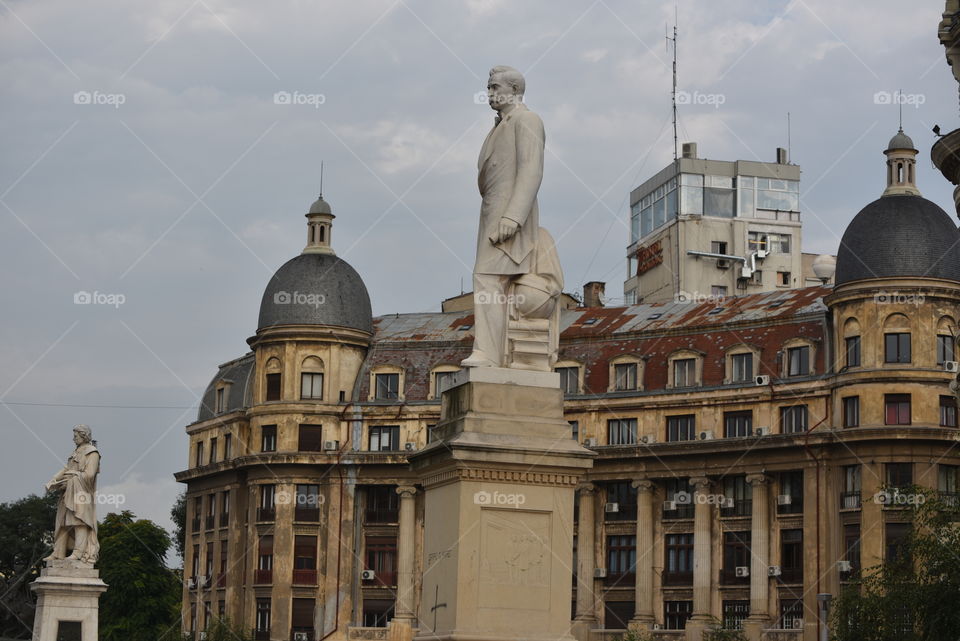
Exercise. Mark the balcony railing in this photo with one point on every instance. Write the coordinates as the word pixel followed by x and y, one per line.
pixel 678 578
pixel 382 516
pixel 297 633
pixel 262 577
pixel 222 580
pixel 791 575
pixel 210 522
pixel 266 513
pixel 195 524
pixel 382 580
pixel 850 500
pixel 623 513
pixel 304 577
pixel 311 514
pixel 224 520
pixel 950 499
pixel 682 511
pixel 743 507
pixel 729 577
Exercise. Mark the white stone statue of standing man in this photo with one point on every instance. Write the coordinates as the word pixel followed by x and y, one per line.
pixel 516 278
pixel 76 525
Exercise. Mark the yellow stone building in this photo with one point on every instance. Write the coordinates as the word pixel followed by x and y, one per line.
pixel 749 449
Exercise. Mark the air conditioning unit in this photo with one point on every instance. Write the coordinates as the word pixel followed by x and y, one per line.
pixel 409 446
pixel 761 431
pixel 648 438
pixel 599 573
pixel 784 499
pixel 706 435
pixel 844 566
pixel 773 570
pixel 611 507
pixel 763 253
pixel 669 506
pixel 191 583
pixel 300 636
pixel 728 502
pixel 368 575
pixel 331 446
pixel 656 626
pixel 951 366
pixel 590 442
pixel 742 571
pixel 763 379
pixel 797 624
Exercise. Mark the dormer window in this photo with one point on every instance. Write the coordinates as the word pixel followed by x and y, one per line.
pixel 798 360
pixel 222 396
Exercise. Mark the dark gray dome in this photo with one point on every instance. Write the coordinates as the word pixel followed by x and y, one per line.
pixel 898 236
pixel 320 206
pixel 316 289
pixel 901 140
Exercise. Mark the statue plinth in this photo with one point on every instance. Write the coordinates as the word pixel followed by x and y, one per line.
pixel 68 596
pixel 499 487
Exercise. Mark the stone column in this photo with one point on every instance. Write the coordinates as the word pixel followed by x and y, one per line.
pixel 702 550
pixel 586 617
pixel 759 557
pixel 643 617
pixel 404 609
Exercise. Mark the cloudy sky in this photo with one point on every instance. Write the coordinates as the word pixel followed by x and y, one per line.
pixel 147 157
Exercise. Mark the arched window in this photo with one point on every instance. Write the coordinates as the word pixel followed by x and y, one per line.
pixel 685 369
pixel 311 379
pixel 897 346
pixel 742 364
pixel 851 342
pixel 273 382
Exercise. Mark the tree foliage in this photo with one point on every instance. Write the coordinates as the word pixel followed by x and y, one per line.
pixel 143 600
pixel 178 514
pixel 915 597
pixel 224 630
pixel 26 537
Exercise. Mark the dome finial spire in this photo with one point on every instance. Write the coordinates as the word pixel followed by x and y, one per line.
pixel 319 224
pixel 321 172
pixel 901 164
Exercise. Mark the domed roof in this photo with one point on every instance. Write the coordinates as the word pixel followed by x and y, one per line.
pixel 316 289
pixel 320 206
pixel 900 140
pixel 899 236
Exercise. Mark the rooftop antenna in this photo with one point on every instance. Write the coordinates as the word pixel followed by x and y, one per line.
pixel 900 103
pixel 789 150
pixel 674 93
pixel 321 179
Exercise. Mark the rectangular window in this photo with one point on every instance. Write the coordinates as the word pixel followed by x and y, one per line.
pixel 305 560
pixel 227 446
pixel 793 419
pixel 195 565
pixel 756 241
pixel 896 409
pixel 899 476
pixel 944 349
pixel 734 613
pixel 302 617
pixel 676 613
pixel 736 554
pixel 617 614
pixel 853 351
pixel 851 547
pixel 625 376
pixel 310 438
pixel 624 495
pixel 273 387
pixel 621 557
pixel 211 511
pixel 850 492
pixel 851 411
pixel 896 348
pixel 197 511
pixel 897 535
pixel 382 559
pixel 199 457
pixel 574 430
pixel 263 617
pixel 791 614
pixel 718 291
pixel 678 560
pixel 798 361
pixel 621 431
pixel 738 497
pixel 264 571
pixel 441 380
pixel 791 556
pixel 947 485
pixel 742 368
pixel 388 387
pixel 307 507
pixel 383 504
pixel 948 411
pixel 718 247
pixel 685 372
pixel 783 279
pixel 268 438
pixel 265 511
pixel 221 399
pixel 569 379
pixel 682 428
pixel 225 508
pixel 737 424
pixel 311 386
pixel 384 438
pixel 678 500
pixel 377 612
pixel 790 499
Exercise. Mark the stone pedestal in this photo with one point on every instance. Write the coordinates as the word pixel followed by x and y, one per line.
pixel 68 595
pixel 498 532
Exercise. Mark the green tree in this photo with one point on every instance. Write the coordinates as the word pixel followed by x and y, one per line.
pixel 178 514
pixel 26 535
pixel 143 600
pixel 224 630
pixel 914 596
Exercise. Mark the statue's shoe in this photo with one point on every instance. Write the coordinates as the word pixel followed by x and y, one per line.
pixel 477 359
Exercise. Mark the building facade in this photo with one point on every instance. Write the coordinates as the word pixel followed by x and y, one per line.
pixel 751 452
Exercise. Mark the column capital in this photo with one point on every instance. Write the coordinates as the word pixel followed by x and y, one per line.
pixel 643 485
pixel 406 491
pixel 700 483
pixel 586 486
pixel 758 479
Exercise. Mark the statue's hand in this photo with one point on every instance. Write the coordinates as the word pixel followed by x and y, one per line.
pixel 505 230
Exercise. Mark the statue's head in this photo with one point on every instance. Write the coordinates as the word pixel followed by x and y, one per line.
pixel 505 86
pixel 82 434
